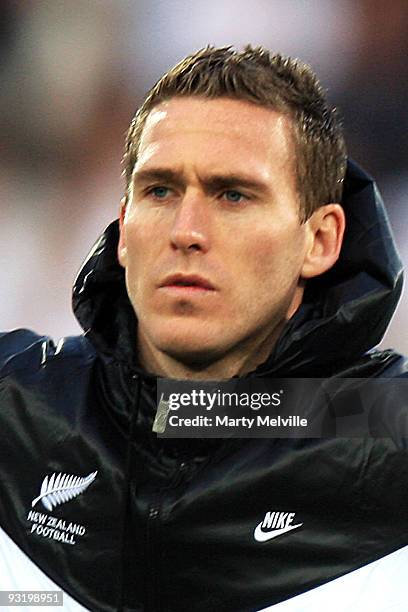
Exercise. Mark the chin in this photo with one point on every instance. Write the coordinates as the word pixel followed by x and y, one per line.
pixel 191 352
pixel 189 344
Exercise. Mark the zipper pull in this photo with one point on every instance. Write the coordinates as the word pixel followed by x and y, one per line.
pixel 160 420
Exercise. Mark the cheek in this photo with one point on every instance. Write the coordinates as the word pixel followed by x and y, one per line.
pixel 144 254
pixel 135 259
pixel 270 258
pixel 140 232
pixel 144 228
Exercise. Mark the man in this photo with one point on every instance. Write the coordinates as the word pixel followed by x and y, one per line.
pixel 227 262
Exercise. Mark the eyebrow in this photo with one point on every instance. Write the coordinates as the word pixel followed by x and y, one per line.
pixel 211 183
pixel 158 175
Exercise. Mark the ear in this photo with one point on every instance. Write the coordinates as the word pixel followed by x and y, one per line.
pixel 325 236
pixel 122 248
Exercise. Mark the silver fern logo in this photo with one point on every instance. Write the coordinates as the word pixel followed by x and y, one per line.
pixel 60 488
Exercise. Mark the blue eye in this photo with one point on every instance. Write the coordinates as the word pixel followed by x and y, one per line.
pixel 160 192
pixel 233 196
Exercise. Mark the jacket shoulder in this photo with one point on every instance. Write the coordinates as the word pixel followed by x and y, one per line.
pixel 23 349
pixel 396 365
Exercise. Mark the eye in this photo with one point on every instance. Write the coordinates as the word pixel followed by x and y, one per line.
pixel 159 192
pixel 233 196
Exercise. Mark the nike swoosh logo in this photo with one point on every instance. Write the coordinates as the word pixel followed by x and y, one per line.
pixel 264 536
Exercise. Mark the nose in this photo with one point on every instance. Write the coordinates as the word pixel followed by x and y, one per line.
pixel 190 230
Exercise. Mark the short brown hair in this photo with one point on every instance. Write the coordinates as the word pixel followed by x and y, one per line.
pixel 270 80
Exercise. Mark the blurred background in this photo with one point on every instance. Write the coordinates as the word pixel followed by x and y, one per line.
pixel 73 73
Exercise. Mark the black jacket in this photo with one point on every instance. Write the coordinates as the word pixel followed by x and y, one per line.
pixel 122 520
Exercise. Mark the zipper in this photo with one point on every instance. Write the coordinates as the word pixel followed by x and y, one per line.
pixel 181 472
pixel 153 543
pixel 153 540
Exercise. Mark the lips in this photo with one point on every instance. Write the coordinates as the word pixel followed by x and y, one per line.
pixel 187 281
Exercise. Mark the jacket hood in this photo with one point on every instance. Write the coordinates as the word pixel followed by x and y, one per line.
pixel 354 300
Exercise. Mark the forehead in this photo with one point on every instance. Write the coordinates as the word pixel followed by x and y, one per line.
pixel 220 131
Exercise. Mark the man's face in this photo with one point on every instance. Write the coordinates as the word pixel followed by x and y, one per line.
pixel 211 240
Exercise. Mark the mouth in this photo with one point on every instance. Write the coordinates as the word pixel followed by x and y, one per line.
pixel 187 282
